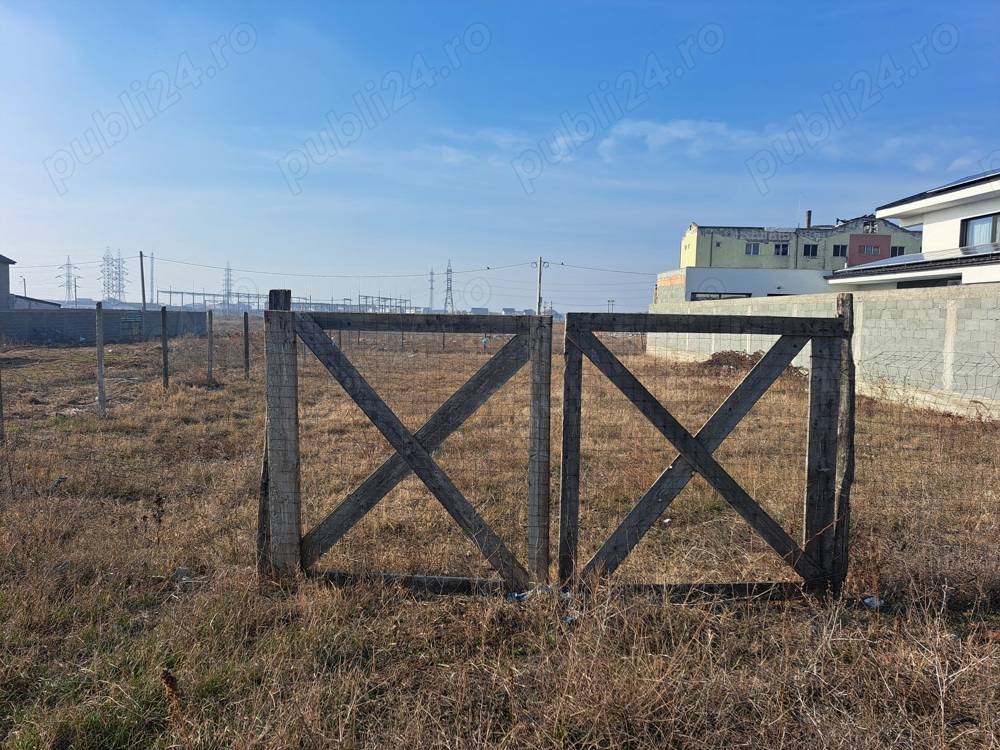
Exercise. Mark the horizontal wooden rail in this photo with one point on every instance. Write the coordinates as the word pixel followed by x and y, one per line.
pixel 419 323
pixel 728 324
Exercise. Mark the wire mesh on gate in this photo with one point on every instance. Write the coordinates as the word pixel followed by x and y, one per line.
pixel 699 536
pixel 486 458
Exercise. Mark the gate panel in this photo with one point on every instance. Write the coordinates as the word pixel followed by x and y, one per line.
pixel 812 559
pixel 409 469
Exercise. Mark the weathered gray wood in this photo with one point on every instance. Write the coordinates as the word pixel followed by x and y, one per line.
pixel 423 584
pixel 264 519
pixel 733 324
pixel 538 448
pixel 211 346
pixel 284 501
pixel 419 323
pixel 279 299
pixel 819 516
pixel 246 346
pixel 102 404
pixel 699 457
pixel 420 461
pixel 462 404
pixel 845 445
pixel 163 347
pixel 569 497
pixel 670 483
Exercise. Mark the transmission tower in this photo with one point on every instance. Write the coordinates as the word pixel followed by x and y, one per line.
pixel 108 274
pixel 70 280
pixel 227 288
pixel 449 301
pixel 430 305
pixel 120 274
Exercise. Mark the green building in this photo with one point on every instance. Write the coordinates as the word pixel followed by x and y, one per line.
pixel 828 247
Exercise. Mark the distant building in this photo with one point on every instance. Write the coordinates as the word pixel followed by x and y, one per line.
pixel 815 247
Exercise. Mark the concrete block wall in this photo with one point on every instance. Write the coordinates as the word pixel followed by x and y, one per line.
pixel 941 344
pixel 79 327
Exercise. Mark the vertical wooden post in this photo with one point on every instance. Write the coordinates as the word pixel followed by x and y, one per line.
pixel 101 401
pixel 211 342
pixel 163 346
pixel 569 503
pixel 845 445
pixel 539 493
pixel 3 430
pixel 821 463
pixel 284 503
pixel 246 346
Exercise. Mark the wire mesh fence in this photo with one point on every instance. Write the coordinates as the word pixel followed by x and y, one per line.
pixel 176 471
pixel 486 457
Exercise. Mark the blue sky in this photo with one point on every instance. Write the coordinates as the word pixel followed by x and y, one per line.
pixel 345 148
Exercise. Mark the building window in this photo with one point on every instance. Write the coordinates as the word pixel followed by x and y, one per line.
pixel 781 248
pixel 870 227
pixel 896 250
pixel 868 249
pixel 753 248
pixel 810 251
pixel 840 251
pixel 980 231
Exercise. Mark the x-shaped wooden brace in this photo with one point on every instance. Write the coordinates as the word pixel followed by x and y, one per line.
pixel 413 451
pixel 696 455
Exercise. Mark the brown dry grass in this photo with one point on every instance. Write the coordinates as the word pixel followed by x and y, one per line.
pixel 131 616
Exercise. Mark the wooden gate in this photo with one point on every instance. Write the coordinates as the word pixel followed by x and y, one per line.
pixel 821 558
pixel 283 549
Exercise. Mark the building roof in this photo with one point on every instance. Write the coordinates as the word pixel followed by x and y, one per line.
pixel 976 255
pixel 8 261
pixel 964 182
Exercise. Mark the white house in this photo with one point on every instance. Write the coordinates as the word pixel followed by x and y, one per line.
pixel 961 238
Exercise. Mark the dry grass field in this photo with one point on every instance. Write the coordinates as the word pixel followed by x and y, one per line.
pixel 132 616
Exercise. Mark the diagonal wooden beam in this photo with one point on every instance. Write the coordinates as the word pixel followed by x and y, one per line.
pixel 670 483
pixel 420 461
pixel 699 457
pixel 451 414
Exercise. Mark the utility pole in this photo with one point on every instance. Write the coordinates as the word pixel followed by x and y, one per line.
pixel 430 305
pixel 611 305
pixel 539 265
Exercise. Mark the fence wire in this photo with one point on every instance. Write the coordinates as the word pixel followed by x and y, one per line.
pixel 174 473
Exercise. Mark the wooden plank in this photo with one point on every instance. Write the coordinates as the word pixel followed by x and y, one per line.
pixel 264 518
pixel 279 299
pixel 284 503
pixel 762 325
pixel 670 483
pixel 423 584
pixel 700 459
pixel 211 347
pixel 420 461
pixel 845 445
pixel 419 323
pixel 569 500
pixel 539 448
pixel 462 404
pixel 681 593
pixel 819 515
pixel 163 347
pixel 102 403
pixel 246 346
